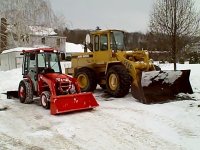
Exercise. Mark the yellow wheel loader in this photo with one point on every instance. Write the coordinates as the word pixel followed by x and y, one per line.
pixel 106 62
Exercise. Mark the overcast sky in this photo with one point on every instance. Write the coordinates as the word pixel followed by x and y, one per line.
pixel 128 15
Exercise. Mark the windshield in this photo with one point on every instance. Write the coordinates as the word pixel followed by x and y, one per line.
pixel 117 40
pixel 49 60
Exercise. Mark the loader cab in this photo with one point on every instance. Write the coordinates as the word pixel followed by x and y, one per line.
pixel 105 43
pixel 108 40
pixel 117 40
pixel 40 62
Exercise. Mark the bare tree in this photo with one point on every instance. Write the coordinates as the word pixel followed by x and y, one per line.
pixel 175 19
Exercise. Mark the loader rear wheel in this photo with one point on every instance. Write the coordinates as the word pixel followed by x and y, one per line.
pixel 25 92
pixel 118 81
pixel 87 79
pixel 45 99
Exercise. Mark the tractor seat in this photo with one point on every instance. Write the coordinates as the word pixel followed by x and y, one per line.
pixel 48 70
pixel 41 69
pixel 45 70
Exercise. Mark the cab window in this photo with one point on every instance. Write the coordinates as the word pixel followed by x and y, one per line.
pixel 104 42
pixel 32 63
pixel 96 43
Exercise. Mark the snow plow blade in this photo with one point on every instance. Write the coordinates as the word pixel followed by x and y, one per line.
pixel 73 102
pixel 161 86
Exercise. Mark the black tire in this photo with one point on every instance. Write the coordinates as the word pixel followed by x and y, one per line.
pixel 25 92
pixel 123 81
pixel 87 79
pixel 103 86
pixel 45 99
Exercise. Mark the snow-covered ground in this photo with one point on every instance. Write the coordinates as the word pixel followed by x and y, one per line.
pixel 117 124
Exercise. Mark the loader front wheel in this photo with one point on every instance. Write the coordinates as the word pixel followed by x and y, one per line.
pixel 45 99
pixel 25 92
pixel 118 81
pixel 87 79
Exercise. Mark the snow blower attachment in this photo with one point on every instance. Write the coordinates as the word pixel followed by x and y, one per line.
pixel 161 86
pixel 42 77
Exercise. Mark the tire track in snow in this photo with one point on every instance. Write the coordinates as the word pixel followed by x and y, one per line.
pixel 178 131
pixel 8 142
pixel 30 127
pixel 135 134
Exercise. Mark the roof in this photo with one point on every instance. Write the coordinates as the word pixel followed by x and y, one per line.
pixel 39 50
pixel 35 30
pixel 104 31
pixel 20 49
pixel 39 30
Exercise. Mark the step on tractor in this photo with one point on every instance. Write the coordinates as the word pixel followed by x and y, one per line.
pixel 43 78
pixel 106 62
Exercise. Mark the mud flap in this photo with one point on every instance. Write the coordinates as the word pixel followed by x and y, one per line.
pixel 73 102
pixel 160 86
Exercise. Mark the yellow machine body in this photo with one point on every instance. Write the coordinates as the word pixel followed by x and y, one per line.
pixel 114 68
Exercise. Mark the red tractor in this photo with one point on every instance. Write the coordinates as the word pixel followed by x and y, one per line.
pixel 42 77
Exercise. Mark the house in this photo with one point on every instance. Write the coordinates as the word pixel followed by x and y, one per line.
pixel 11 59
pixel 32 36
pixel 12 43
pixel 39 36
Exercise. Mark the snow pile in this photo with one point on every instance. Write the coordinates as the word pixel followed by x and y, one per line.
pixel 73 48
pixel 167 77
pixel 65 64
pixel 9 80
pixel 194 74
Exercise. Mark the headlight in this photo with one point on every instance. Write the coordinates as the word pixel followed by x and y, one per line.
pixel 61 79
pixel 58 79
pixel 72 89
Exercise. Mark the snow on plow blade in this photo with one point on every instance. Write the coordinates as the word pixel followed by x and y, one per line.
pixel 73 102
pixel 160 86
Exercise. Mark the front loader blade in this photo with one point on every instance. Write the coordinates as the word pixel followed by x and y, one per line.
pixel 72 102
pixel 137 90
pixel 160 86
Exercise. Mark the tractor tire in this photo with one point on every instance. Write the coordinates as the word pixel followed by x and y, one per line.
pixel 45 99
pixel 87 79
pixel 25 92
pixel 118 81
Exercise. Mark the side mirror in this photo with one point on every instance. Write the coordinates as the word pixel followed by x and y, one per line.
pixel 32 56
pixel 88 44
pixel 87 39
pixel 62 56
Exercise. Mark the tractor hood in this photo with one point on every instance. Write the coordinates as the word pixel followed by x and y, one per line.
pixel 57 77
